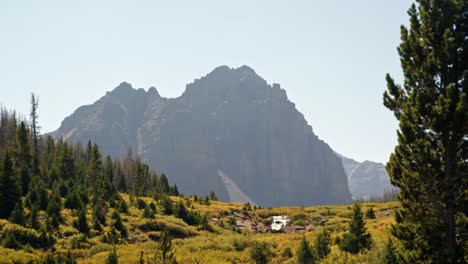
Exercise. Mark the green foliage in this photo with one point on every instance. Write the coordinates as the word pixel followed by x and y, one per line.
pixel 213 196
pixel 260 252
pixel 99 217
pixel 304 253
pixel 22 158
pixel 17 216
pixel 370 213
pixel 148 213
pixel 165 254
pixel 390 253
pixel 118 224
pixel 11 242
pixel 9 188
pixel 73 201
pixel 163 185
pixel 166 203
pixel 429 163
pixel 287 253
pixel 140 204
pixel 25 236
pixel 54 207
pixel 33 217
pixel 322 244
pixel 240 244
pixel 37 194
pixel 112 258
pixel 204 225
pixel 81 223
pixel 357 238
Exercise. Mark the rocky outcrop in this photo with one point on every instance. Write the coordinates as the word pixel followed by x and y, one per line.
pixel 366 179
pixel 230 132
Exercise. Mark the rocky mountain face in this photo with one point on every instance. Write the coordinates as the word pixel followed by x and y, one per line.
pixel 229 132
pixel 366 179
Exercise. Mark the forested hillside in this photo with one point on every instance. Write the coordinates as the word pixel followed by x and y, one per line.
pixel 63 203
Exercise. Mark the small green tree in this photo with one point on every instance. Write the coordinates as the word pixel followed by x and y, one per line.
pixel 213 196
pixel 322 244
pixel 260 252
pixel 148 212
pixel 112 258
pixel 390 254
pixel 357 238
pixel 81 223
pixel 54 208
pixel 33 217
pixel 165 254
pixel 11 242
pixel 167 205
pixel 17 216
pixel 180 211
pixel 118 224
pixel 304 253
pixel 287 253
pixel 370 213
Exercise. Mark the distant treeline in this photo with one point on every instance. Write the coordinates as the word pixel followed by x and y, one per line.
pixel 388 196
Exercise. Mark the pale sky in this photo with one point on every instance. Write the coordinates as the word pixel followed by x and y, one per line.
pixel 330 56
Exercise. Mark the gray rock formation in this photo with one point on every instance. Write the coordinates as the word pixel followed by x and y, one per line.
pixel 366 179
pixel 229 132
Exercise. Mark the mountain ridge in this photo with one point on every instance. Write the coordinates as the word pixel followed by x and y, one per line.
pixel 230 120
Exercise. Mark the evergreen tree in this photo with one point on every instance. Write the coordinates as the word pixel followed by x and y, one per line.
pixel 98 213
pixel 112 258
pixel 148 212
pixel 163 184
pixel 180 211
pixel 37 194
pixel 17 216
pixel 72 201
pixel 304 253
pixel 390 254
pixel 322 244
pixel 287 253
pixel 109 169
pixel 167 205
pixel 429 163
pixel 35 133
pixel 81 223
pixel 9 189
pixel 22 156
pixel 54 207
pixel 165 254
pixel 260 252
pixel 69 259
pixel 213 196
pixel 65 163
pixel 33 217
pixel 370 213
pixel 10 242
pixel 118 224
pixel 357 238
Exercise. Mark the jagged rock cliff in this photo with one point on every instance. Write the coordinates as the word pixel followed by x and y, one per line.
pixel 367 178
pixel 230 132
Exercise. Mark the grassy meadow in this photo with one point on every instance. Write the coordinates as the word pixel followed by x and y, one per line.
pixel 225 243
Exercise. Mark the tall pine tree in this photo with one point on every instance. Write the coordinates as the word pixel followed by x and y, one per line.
pixel 9 190
pixel 429 164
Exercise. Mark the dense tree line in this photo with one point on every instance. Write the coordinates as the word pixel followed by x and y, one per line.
pixel 45 175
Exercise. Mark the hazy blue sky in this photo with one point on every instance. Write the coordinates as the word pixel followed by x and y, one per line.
pixel 330 56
